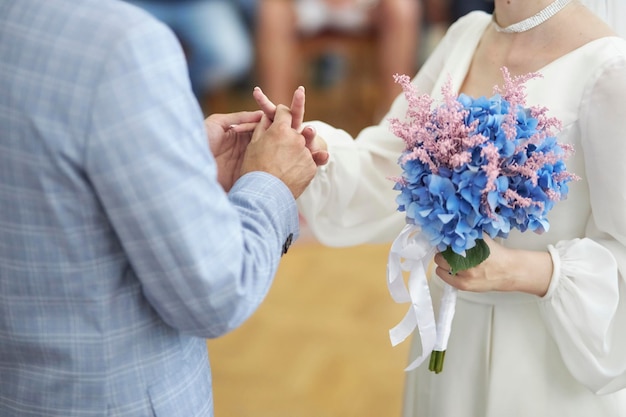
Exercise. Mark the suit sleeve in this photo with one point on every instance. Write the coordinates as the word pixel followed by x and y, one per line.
pixel 205 259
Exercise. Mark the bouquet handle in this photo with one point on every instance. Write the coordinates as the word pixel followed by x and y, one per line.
pixel 447 308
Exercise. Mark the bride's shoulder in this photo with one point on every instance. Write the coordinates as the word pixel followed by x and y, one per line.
pixel 606 18
pixel 588 27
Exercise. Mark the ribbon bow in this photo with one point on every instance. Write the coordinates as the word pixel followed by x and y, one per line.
pixel 411 251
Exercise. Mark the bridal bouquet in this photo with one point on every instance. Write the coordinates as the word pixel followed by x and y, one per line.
pixel 471 166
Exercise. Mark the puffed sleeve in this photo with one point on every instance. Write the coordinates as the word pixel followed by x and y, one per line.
pixel 351 199
pixel 585 307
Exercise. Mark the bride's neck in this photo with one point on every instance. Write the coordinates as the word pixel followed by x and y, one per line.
pixel 509 12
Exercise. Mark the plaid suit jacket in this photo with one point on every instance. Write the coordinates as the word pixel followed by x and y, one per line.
pixel 119 251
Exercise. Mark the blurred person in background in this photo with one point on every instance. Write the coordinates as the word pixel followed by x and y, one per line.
pixel 215 35
pixel 280 24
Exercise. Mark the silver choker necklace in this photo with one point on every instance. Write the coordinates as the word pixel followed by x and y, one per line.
pixel 532 21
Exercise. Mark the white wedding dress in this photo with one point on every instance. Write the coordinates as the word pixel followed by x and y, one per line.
pixel 512 354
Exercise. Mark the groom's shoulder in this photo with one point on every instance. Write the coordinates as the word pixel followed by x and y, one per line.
pixel 93 23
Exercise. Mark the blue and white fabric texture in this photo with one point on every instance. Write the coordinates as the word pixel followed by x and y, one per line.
pixel 119 251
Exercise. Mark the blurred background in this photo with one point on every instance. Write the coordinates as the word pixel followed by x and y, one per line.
pixel 318 346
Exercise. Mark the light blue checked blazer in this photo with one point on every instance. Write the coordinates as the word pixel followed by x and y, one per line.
pixel 119 252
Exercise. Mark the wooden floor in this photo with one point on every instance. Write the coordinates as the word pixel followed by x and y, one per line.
pixel 318 346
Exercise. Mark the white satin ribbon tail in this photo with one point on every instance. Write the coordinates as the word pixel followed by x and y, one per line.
pixel 411 252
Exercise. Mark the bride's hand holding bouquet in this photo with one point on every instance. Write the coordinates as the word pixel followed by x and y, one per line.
pixel 505 269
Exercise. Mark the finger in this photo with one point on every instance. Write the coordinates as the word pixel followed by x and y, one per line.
pixel 283 115
pixel 297 108
pixel 309 134
pixel 441 261
pixel 264 102
pixel 261 127
pixel 444 270
pixel 445 274
pixel 320 158
pixel 315 145
pixel 243 127
pixel 229 120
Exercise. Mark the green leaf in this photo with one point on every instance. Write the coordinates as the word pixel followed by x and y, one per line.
pixel 474 256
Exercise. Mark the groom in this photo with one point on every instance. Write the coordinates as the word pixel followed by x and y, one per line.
pixel 124 242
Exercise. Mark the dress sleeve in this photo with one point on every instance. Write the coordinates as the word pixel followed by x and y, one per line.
pixel 205 259
pixel 351 200
pixel 585 307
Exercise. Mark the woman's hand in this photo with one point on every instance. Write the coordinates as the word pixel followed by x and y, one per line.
pixel 505 269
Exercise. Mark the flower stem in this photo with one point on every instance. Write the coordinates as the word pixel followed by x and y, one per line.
pixel 436 361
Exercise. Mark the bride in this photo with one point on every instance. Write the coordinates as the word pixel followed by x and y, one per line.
pixel 541 333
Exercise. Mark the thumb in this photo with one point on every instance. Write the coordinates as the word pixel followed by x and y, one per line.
pixel 283 115
pixel 261 128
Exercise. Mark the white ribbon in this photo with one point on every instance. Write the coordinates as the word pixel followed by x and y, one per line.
pixel 411 251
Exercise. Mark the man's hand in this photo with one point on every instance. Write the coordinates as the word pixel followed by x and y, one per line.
pixel 278 149
pixel 315 144
pixel 228 137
